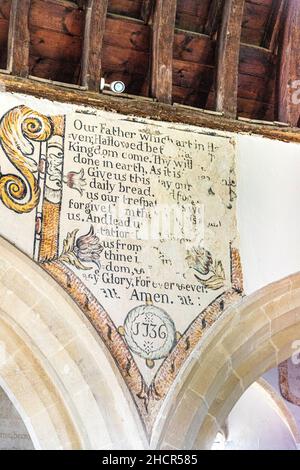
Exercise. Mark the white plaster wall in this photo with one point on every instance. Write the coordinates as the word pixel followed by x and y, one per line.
pixel 268 177
pixel 268 202
pixel 268 209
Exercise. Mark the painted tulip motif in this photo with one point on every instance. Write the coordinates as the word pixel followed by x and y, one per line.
pixel 76 180
pixel 84 249
pixel 88 248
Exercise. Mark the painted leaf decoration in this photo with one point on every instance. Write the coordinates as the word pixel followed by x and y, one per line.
pixel 69 242
pixel 72 259
pixel 214 282
pixel 220 270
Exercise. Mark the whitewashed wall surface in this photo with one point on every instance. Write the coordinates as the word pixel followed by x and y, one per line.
pixel 150 230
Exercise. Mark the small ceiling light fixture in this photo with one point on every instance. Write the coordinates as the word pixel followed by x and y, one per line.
pixel 116 86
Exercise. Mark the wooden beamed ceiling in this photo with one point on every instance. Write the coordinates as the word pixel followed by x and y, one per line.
pixel 238 57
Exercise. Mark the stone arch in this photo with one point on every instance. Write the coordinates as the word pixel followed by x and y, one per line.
pixel 54 367
pixel 253 336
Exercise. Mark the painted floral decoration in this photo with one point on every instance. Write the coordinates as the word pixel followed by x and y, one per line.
pixel 200 259
pixel 84 249
pixel 76 180
pixel 202 262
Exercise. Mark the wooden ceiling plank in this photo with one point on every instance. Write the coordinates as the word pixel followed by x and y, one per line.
pixel 271 33
pixel 289 66
pixel 96 12
pixel 229 39
pixel 214 17
pixel 163 26
pixel 19 38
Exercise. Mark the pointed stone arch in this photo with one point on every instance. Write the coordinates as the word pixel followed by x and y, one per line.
pixel 54 367
pixel 69 393
pixel 255 335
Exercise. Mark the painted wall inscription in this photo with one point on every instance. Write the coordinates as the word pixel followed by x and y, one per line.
pixel 136 220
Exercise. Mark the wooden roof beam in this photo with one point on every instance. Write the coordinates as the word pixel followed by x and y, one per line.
pixel 19 38
pixel 289 67
pixel 229 39
pixel 163 25
pixel 146 10
pixel 214 17
pixel 95 19
pixel 272 29
pixel 138 106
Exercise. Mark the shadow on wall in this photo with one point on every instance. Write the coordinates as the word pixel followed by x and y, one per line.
pixel 259 410
pixel 13 432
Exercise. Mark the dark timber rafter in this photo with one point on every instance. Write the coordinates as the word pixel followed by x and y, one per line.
pixel 46 40
pixel 214 17
pixel 163 25
pixel 146 109
pixel 146 10
pixel 92 48
pixel 19 38
pixel 229 39
pixel 289 70
pixel 272 28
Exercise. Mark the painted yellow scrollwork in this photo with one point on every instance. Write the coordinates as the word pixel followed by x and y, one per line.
pixel 18 128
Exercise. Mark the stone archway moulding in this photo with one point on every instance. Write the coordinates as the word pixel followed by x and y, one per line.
pixel 65 387
pixel 53 366
pixel 257 334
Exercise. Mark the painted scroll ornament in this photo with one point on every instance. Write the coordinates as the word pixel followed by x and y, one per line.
pixel 149 332
pixel 19 130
